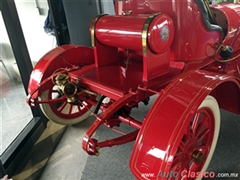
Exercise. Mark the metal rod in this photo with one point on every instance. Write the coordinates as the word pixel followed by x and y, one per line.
pixel 99 104
pixel 131 122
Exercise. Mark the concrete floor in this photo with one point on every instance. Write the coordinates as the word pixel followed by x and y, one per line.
pixel 69 161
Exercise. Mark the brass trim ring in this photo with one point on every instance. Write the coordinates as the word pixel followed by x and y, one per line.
pixel 145 30
pixel 93 28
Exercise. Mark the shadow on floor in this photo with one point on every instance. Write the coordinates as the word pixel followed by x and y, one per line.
pixel 35 162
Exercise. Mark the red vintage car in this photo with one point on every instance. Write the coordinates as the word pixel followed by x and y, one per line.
pixel 185 51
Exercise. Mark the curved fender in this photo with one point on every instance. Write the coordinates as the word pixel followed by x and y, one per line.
pixel 60 57
pixel 164 126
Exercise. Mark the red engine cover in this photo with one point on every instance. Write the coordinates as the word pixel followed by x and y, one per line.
pixel 127 31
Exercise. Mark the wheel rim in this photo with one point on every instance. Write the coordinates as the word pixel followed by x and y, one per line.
pixel 60 111
pixel 197 145
pixel 64 109
pixel 197 138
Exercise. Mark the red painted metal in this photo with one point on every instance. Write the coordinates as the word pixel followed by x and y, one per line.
pixel 184 102
pixel 88 142
pixel 188 26
pixel 164 47
pixel 118 31
pixel 66 56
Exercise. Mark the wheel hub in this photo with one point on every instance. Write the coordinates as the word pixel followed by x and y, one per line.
pixel 192 153
pixel 67 87
pixel 198 156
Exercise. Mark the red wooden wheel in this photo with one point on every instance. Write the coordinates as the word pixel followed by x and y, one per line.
pixel 60 111
pixel 198 143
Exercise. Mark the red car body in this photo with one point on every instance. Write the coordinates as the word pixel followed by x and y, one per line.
pixel 183 50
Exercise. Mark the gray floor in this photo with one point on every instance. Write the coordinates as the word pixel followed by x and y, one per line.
pixel 69 161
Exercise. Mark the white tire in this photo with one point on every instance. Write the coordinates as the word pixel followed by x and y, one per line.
pixel 65 116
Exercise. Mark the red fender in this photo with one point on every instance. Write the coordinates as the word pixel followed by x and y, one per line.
pixel 60 57
pixel 163 128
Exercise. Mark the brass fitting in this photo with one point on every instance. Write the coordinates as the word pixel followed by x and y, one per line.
pixel 224 48
pixel 198 156
pixel 125 13
pixel 67 87
pixel 61 79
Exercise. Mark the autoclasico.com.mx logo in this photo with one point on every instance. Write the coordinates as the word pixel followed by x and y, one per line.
pixel 187 174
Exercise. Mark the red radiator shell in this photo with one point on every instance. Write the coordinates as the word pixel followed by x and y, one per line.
pixel 126 32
